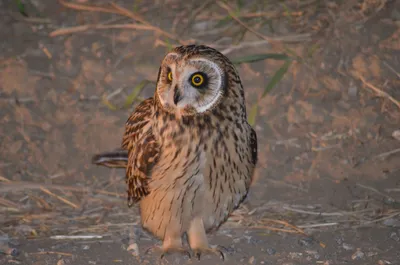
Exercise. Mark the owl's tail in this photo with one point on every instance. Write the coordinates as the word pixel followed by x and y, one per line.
pixel 117 158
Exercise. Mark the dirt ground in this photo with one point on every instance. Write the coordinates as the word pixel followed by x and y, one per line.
pixel 327 186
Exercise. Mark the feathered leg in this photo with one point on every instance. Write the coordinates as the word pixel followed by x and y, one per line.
pixel 198 240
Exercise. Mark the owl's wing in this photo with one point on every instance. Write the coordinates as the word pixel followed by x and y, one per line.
pixel 143 150
pixel 137 123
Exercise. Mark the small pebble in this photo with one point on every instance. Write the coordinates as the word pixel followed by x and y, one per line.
pixel 134 248
pixel 392 222
pixel 85 247
pixel 5 249
pixel 347 246
pixel 313 253
pixel 394 236
pixel 358 255
pixel 4 238
pixel 396 135
pixel 295 255
pixel 271 251
pixel 306 242
pixel 352 92
pixel 339 240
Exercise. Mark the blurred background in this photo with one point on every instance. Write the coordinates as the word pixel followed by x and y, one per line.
pixel 322 82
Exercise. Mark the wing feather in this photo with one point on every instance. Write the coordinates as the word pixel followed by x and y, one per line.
pixel 143 150
pixel 136 123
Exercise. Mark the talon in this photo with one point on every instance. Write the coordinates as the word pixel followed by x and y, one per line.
pixel 214 250
pixel 165 252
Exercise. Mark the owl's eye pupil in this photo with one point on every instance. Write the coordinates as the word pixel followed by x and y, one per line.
pixel 198 80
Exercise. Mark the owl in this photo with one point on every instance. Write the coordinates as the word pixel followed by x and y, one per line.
pixel 188 151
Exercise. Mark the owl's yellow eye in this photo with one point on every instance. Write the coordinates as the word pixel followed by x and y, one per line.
pixel 169 76
pixel 197 80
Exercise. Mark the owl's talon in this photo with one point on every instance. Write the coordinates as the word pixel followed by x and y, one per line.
pixel 165 252
pixel 217 250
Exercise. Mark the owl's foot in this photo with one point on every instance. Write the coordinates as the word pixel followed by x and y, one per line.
pixel 217 250
pixel 163 252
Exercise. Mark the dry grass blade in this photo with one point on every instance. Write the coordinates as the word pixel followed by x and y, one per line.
pixel 274 229
pixel 260 57
pixel 318 225
pixel 52 252
pixel 381 219
pixel 70 30
pixel 379 91
pixel 8 203
pixel 294 38
pixel 292 228
pixel 242 45
pixel 127 13
pixel 59 198
pixel 383 155
pixel 285 223
pixel 86 7
pixel 116 9
pixel 25 185
pixel 4 179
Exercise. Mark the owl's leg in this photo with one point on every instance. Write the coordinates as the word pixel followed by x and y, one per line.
pixel 198 240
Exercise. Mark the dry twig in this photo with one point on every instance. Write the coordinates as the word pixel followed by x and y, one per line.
pixel 52 252
pixel 380 92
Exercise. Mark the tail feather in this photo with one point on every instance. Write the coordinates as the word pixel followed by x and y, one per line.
pixel 117 158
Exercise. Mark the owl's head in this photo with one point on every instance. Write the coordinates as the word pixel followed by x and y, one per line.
pixel 192 80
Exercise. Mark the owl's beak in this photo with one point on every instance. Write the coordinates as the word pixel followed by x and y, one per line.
pixel 177 95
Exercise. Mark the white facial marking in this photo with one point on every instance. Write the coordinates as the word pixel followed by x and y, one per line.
pixel 218 93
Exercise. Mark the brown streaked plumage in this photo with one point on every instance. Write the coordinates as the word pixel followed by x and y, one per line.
pixel 189 152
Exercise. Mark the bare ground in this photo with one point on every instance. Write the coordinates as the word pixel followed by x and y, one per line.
pixel 327 187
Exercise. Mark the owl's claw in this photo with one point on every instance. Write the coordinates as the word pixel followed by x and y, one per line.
pixel 164 252
pixel 217 250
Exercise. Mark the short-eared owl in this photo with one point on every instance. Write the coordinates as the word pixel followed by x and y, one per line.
pixel 189 152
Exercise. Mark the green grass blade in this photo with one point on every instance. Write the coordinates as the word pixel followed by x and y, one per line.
pixel 277 77
pixel 21 7
pixel 260 57
pixel 251 119
pixel 108 103
pixel 135 93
